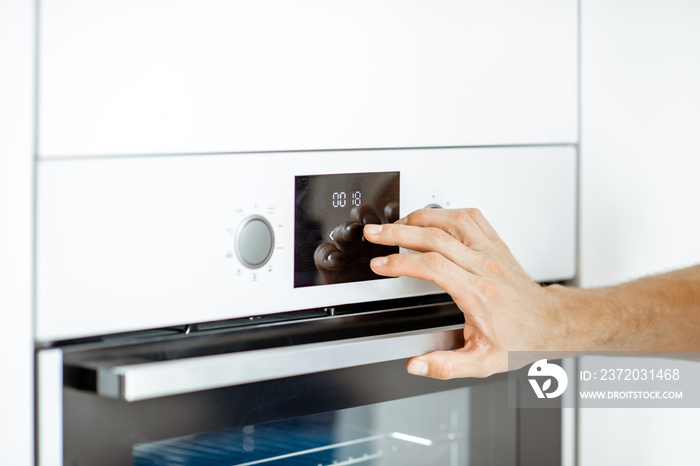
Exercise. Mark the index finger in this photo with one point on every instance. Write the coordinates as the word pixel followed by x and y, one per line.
pixel 425 239
pixel 469 226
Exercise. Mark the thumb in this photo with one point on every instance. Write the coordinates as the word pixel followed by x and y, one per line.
pixel 446 365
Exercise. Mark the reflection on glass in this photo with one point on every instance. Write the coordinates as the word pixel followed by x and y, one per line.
pixel 330 214
pixel 426 430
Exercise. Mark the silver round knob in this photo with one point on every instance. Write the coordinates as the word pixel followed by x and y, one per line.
pixel 255 241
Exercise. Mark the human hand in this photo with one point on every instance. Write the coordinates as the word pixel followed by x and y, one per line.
pixel 504 309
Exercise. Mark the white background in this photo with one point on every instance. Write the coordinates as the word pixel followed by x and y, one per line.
pixel 16 350
pixel 640 189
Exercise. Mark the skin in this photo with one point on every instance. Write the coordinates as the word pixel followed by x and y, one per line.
pixel 505 310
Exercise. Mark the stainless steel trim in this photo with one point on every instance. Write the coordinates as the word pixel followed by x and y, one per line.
pixel 142 381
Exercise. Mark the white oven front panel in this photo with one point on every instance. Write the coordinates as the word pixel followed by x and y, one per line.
pixel 146 242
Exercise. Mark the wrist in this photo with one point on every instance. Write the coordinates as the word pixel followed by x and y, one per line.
pixel 589 320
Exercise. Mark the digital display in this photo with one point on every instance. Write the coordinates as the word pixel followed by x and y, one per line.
pixel 330 214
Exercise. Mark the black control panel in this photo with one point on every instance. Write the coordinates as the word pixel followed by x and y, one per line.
pixel 330 213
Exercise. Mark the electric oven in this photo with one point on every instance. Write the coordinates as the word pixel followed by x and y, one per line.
pixel 262 349
pixel 204 169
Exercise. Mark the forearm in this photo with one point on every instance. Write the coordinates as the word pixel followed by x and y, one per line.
pixel 659 313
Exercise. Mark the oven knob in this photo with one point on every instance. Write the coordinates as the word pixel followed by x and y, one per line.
pixel 255 241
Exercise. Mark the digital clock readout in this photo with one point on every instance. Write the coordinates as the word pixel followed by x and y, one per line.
pixel 340 199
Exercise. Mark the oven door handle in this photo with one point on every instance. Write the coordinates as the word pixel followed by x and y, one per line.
pixel 147 380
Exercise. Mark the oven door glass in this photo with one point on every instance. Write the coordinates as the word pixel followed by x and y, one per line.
pixel 428 429
pixel 464 426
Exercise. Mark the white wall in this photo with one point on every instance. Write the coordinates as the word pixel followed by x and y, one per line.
pixel 16 349
pixel 640 188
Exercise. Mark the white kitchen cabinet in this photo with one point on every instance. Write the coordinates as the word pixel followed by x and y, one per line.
pixel 126 77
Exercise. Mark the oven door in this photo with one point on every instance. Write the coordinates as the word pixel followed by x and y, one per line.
pixel 315 391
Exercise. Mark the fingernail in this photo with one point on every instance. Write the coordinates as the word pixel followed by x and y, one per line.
pixel 373 229
pixel 418 368
pixel 402 221
pixel 379 261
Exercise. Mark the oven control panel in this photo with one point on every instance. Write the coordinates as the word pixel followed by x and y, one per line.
pixel 330 212
pixel 146 242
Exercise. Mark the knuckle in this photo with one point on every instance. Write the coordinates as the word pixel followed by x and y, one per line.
pixel 394 261
pixel 462 217
pixel 494 266
pixel 415 217
pixel 464 221
pixel 436 260
pixel 436 236
pixel 445 370
pixel 486 289
pixel 394 266
pixel 474 212
pixel 391 229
